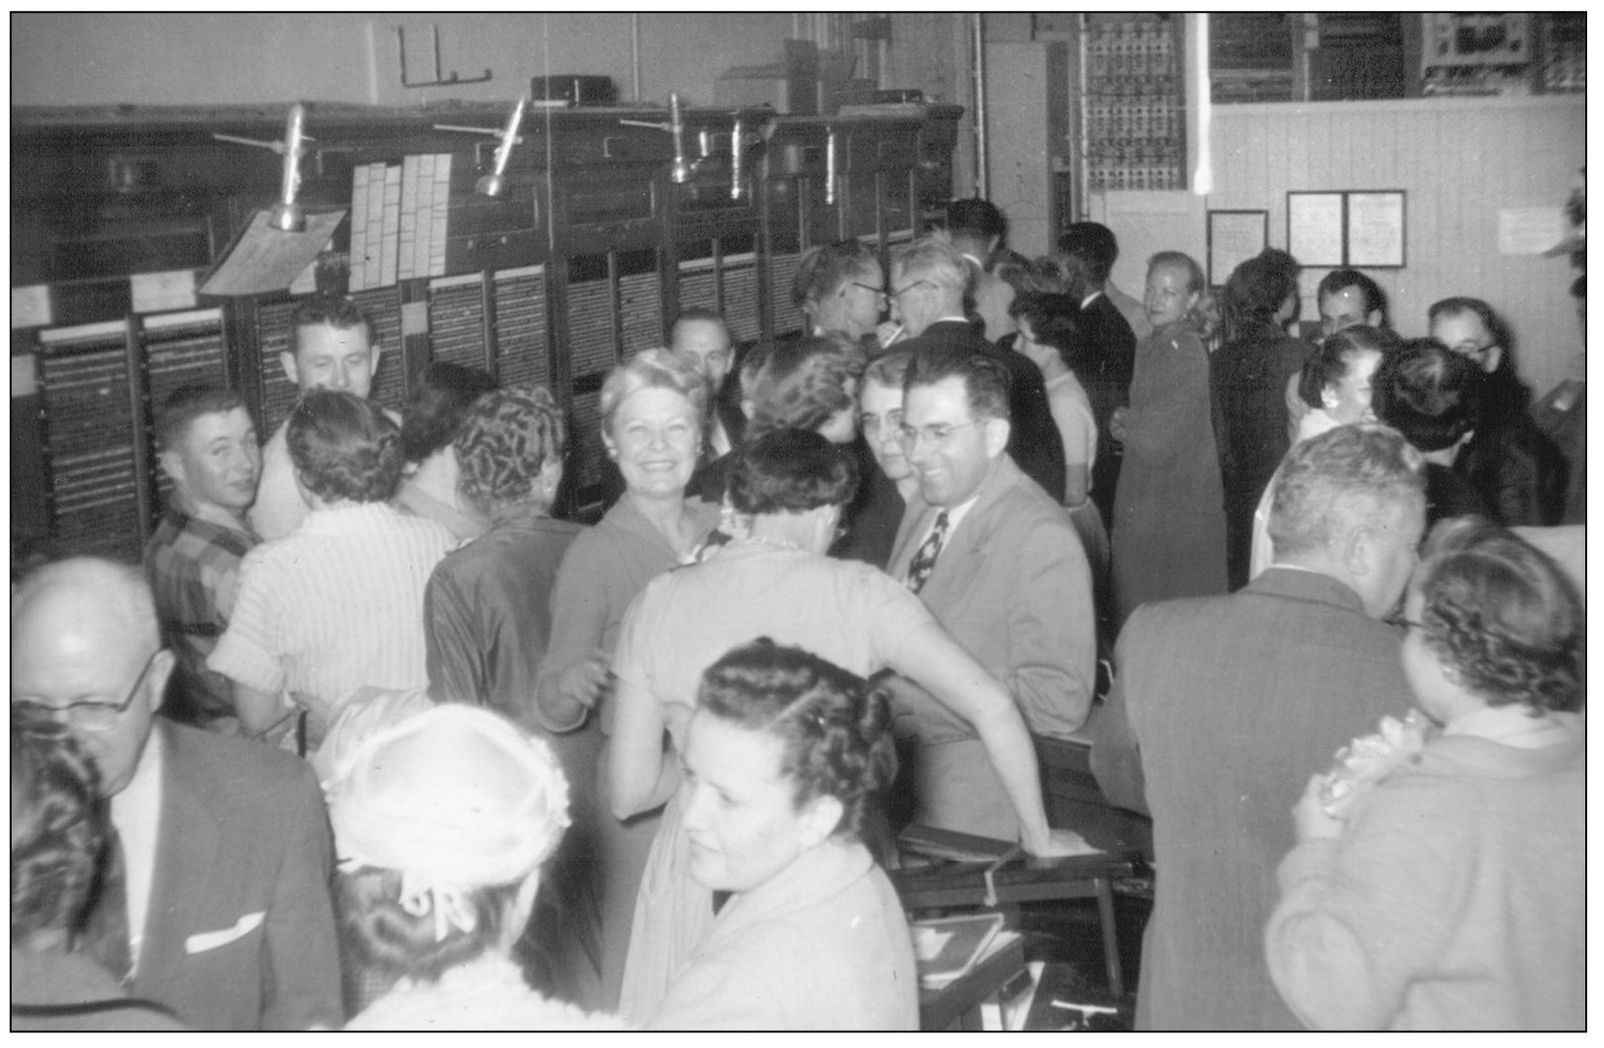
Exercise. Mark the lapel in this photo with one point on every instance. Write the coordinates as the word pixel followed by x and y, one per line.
pixel 187 842
pixel 971 531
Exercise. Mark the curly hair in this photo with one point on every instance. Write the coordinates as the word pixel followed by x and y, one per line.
pixel 653 369
pixel 1429 393
pixel 804 382
pixel 387 942
pixel 1331 483
pixel 440 399
pixel 344 447
pixel 834 728
pixel 791 471
pixel 506 439
pixel 333 311
pixel 1503 614
pixel 58 826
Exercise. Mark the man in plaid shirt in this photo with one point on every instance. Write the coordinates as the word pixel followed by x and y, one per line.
pixel 208 450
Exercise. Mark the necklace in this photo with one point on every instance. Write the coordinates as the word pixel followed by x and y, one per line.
pixel 775 544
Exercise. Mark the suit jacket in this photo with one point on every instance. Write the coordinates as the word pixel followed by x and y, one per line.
pixel 1011 584
pixel 240 930
pixel 1248 380
pixel 1104 366
pixel 1034 442
pixel 1228 705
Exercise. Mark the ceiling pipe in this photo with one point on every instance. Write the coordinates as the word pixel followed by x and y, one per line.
pixel 982 181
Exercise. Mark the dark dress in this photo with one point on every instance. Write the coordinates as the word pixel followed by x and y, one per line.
pixel 1248 379
pixel 1169 515
pixel 1034 442
pixel 1517 469
pixel 487 622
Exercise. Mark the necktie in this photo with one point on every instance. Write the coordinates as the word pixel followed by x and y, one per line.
pixel 924 558
pixel 106 930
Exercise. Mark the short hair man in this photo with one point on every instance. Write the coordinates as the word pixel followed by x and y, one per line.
pixel 1518 470
pixel 701 336
pixel 1002 569
pixel 217 891
pixel 928 278
pixel 1094 247
pixel 1109 341
pixel 1348 298
pixel 207 447
pixel 1229 704
pixel 333 345
pixel 977 230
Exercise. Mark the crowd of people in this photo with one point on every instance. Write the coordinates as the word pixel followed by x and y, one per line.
pixel 375 739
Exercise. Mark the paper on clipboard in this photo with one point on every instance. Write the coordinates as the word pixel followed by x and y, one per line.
pixel 264 259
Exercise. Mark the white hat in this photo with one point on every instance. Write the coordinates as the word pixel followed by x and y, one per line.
pixel 453 798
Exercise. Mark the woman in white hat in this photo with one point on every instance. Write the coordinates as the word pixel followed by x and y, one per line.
pixel 442 823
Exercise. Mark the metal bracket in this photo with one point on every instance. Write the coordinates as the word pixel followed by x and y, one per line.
pixel 440 80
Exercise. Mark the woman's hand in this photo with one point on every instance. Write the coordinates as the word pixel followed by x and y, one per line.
pixel 1060 844
pixel 889 332
pixel 1309 818
pixel 1116 423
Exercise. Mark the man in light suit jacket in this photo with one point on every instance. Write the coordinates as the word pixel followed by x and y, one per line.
pixel 1000 566
pixel 1224 706
pixel 928 278
pixel 217 890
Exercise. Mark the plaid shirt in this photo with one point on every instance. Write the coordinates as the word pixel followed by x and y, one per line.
pixel 193 566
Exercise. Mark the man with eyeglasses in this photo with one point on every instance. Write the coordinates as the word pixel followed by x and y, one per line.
pixel 1002 569
pixel 1223 706
pixel 1518 471
pixel 928 279
pixel 213 897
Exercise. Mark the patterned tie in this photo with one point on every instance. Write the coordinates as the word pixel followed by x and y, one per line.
pixel 924 558
pixel 106 930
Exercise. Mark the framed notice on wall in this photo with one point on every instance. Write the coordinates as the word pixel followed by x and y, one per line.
pixel 1350 228
pixel 1235 237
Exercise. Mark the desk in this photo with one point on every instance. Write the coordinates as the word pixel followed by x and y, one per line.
pixel 955 883
pixel 957 1005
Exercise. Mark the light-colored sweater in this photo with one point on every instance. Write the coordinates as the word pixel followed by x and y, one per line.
pixel 1454 899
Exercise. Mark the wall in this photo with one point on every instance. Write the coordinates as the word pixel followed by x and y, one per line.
pixel 170 59
pixel 1459 161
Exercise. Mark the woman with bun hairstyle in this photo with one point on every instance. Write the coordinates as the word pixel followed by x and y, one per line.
pixel 781 755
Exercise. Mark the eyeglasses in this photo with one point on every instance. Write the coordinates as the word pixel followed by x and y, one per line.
pixel 90 715
pixel 879 292
pixel 936 433
pixel 1473 351
pixel 870 424
pixel 1405 623
pixel 909 287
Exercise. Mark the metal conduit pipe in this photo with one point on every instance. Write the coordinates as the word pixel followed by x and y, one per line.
pixel 982 182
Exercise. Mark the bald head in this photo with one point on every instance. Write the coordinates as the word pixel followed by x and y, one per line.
pixel 88 595
pixel 84 631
